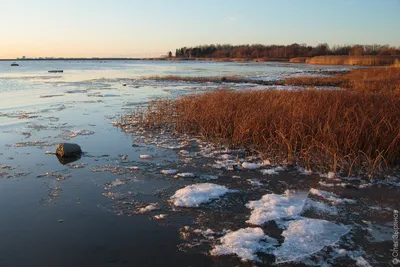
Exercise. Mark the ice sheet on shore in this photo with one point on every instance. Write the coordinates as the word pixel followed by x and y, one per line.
pixel 245 243
pixel 197 194
pixel 273 206
pixel 308 236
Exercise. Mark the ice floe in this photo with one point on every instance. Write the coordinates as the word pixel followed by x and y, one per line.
pixel 208 177
pixel 160 216
pixel 75 133
pixel 148 208
pixel 304 171
pixel 169 172
pixel 196 194
pixel 245 243
pixel 255 182
pixel 307 236
pixel 145 156
pixel 272 171
pixel 273 206
pixel 186 175
pixel 251 166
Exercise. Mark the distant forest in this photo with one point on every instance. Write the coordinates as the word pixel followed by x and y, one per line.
pixel 282 51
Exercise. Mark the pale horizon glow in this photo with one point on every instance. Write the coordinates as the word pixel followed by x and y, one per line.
pixel 133 28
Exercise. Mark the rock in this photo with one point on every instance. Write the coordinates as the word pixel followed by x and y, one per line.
pixel 68 150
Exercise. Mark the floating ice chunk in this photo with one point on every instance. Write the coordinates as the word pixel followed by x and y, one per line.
pixel 148 208
pixel 245 243
pixel 331 196
pixel 196 194
pixel 319 207
pixel 186 175
pixel 251 166
pixel 272 171
pixel 133 168
pixel 361 262
pixel 169 172
pixel 308 236
pixel 227 164
pixel 226 156
pixel 273 206
pixel 304 171
pixel 329 175
pixel 333 185
pixel 208 177
pixel 117 182
pixel 160 216
pixel 145 156
pixel 75 133
pixel 255 182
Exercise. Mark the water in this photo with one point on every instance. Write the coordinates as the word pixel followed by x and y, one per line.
pixel 61 215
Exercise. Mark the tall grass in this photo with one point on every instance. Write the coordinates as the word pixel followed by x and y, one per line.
pixel 354 60
pixel 373 80
pixel 335 131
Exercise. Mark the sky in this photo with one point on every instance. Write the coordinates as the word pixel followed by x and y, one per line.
pixel 142 28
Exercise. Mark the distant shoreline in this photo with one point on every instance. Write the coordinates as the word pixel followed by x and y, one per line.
pixel 318 60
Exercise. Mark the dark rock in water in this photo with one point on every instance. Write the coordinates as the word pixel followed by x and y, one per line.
pixel 69 150
pixel 56 71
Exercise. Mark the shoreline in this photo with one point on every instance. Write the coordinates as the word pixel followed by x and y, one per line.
pixel 317 60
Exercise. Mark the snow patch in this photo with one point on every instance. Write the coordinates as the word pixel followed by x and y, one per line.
pixel 196 194
pixel 245 243
pixel 273 206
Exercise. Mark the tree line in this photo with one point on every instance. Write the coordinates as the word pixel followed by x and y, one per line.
pixel 282 51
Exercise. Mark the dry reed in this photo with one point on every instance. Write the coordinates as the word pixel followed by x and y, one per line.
pixel 353 60
pixel 351 132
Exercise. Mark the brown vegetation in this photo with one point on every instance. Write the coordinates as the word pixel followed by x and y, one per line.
pixel 354 131
pixel 353 60
pixel 300 59
pixel 323 130
pixel 373 80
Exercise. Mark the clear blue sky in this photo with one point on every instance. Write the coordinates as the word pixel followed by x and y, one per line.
pixel 86 28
